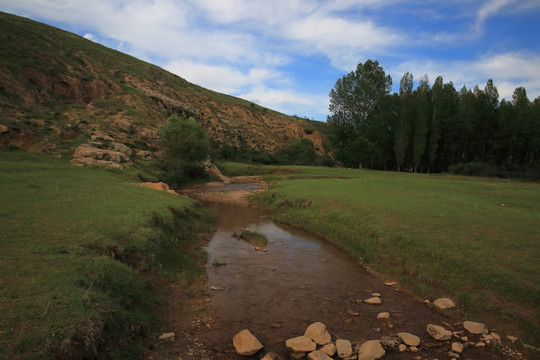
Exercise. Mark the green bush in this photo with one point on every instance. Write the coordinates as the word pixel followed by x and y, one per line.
pixel 186 146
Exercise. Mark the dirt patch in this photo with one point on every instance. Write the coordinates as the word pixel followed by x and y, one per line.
pixel 207 192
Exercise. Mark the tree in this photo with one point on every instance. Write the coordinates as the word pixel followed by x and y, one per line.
pixel 402 126
pixel 436 119
pixel 186 146
pixel 420 127
pixel 355 101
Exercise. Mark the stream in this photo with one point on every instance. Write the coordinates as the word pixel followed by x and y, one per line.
pixel 301 279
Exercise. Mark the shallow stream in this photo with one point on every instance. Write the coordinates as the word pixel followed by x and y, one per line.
pixel 301 279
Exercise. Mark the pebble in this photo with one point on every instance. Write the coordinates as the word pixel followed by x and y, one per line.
pixel 383 316
pixel 373 301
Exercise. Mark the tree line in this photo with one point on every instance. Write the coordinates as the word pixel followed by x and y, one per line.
pixel 430 128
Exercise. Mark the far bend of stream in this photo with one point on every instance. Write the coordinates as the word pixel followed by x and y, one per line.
pixel 299 280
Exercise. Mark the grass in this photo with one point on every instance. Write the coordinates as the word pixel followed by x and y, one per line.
pixel 253 237
pixel 476 240
pixel 74 244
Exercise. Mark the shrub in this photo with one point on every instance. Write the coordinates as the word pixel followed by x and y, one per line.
pixel 186 146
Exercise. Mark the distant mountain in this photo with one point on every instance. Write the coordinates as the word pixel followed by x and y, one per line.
pixel 61 93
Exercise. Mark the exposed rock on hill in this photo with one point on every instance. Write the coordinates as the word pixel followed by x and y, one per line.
pixel 58 91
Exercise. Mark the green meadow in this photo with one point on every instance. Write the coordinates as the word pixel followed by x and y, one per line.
pixel 476 240
pixel 75 246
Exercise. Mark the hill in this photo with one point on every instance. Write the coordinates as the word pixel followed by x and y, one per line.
pixel 60 92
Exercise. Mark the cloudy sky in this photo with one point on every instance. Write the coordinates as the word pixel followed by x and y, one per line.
pixel 288 54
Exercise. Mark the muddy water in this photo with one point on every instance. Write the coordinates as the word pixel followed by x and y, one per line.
pixel 299 280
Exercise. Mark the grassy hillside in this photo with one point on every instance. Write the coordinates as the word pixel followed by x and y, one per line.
pixel 59 90
pixel 472 239
pixel 74 244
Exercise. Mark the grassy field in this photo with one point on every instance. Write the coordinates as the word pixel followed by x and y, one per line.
pixel 476 240
pixel 74 243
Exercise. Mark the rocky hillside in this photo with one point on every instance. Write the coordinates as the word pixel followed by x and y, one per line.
pixel 63 94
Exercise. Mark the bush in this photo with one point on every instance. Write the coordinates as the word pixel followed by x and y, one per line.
pixel 186 146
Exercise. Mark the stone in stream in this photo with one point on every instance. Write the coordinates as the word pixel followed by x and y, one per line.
pixel 457 347
pixel 343 348
pixel 373 301
pixel 409 339
pixel 383 316
pixel 245 343
pixel 318 355
pixel 438 332
pixel 474 327
pixel 444 303
pixel 300 344
pixel 272 356
pixel 167 337
pixel 329 349
pixel 371 350
pixel 318 333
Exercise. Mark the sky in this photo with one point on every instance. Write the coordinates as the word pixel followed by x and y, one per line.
pixel 287 54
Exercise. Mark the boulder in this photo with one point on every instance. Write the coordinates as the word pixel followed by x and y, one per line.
pixel 3 129
pixel 318 355
pixel 89 155
pixel 300 344
pixel 457 347
pixel 343 348
pixel 124 149
pixel 438 332
pixel 125 125
pixel 272 356
pixel 167 337
pixel 409 339
pixel 444 303
pixel 245 343
pixel 145 155
pixel 329 349
pixel 373 301
pixel 474 327
pixel 371 350
pixel 318 333
pixel 383 316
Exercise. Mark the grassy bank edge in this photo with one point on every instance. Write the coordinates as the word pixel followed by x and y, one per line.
pixel 78 245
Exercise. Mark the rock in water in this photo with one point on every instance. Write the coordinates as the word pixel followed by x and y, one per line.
pixel 318 355
pixel 371 350
pixel 474 327
pixel 383 316
pixel 167 337
pixel 318 333
pixel 245 343
pixel 373 301
pixel 444 303
pixel 300 344
pixel 272 356
pixel 329 349
pixel 343 348
pixel 409 339
pixel 438 332
pixel 457 347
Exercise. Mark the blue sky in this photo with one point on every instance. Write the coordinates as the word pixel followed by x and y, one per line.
pixel 288 54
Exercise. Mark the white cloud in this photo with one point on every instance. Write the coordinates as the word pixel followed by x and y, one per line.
pixel 287 101
pixel 221 78
pixel 490 7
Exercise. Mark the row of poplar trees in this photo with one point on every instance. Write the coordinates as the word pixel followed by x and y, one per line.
pixel 429 128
